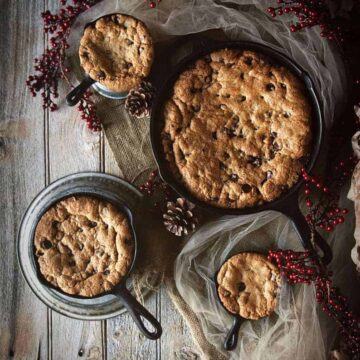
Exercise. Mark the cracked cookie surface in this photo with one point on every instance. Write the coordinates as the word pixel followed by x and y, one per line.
pixel 84 246
pixel 117 51
pixel 237 129
pixel 248 285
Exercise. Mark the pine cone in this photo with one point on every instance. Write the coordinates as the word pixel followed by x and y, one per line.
pixel 139 100
pixel 179 218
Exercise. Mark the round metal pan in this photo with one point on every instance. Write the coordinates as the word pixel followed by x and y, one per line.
pixel 288 202
pixel 136 310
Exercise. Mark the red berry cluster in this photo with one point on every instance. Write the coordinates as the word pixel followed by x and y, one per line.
pixel 88 112
pixel 311 13
pixel 50 67
pixel 155 183
pixel 297 267
pixel 325 213
pixel 303 268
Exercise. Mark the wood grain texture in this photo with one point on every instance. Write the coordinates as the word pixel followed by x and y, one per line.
pixel 23 319
pixel 36 148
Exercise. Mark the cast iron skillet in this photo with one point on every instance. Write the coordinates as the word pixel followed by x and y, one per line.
pixel 288 202
pixel 135 309
pixel 232 336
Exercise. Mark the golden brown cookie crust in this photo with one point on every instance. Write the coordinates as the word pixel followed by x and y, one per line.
pixel 237 129
pixel 117 51
pixel 248 285
pixel 84 246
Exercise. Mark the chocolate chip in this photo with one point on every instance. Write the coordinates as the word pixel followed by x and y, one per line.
pixel 271 74
pixel 230 132
pixel 246 188
pixel 283 86
pixel 195 108
pixel 242 76
pixel 273 134
pixel 276 146
pixel 72 263
pixel 248 60
pixel 46 244
pixel 100 75
pixel 270 87
pixel 268 114
pixel 241 286
pixel 242 98
pixel 99 252
pixel 128 65
pixel 222 166
pixel 286 115
pixel 226 156
pixel 226 293
pixel 214 135
pixel 129 42
pixel 256 161
pixel 234 177
pixel 55 224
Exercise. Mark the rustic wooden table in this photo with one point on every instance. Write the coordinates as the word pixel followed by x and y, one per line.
pixel 36 148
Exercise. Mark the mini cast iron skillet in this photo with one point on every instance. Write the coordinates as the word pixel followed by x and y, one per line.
pixel 136 310
pixel 288 202
pixel 75 94
pixel 232 336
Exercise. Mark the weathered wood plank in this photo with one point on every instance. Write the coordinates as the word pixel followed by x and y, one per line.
pixel 123 338
pixel 71 148
pixel 23 318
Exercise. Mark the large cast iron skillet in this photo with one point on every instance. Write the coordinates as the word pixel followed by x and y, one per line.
pixel 288 202
pixel 136 310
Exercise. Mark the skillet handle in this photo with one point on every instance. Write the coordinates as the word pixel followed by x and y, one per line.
pixel 137 311
pixel 309 240
pixel 74 96
pixel 233 334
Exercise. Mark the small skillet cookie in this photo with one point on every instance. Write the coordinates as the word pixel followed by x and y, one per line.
pixel 248 285
pixel 84 246
pixel 117 51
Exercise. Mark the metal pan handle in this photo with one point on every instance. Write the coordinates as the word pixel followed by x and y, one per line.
pixel 233 334
pixel 137 311
pixel 304 232
pixel 74 96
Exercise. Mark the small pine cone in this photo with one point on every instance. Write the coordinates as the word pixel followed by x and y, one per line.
pixel 139 100
pixel 179 218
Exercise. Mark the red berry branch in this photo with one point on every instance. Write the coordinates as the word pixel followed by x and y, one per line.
pixel 303 268
pixel 50 67
pixel 310 13
pixel 324 211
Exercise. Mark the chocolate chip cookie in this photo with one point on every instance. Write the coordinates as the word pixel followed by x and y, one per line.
pixel 248 285
pixel 84 246
pixel 237 129
pixel 117 51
